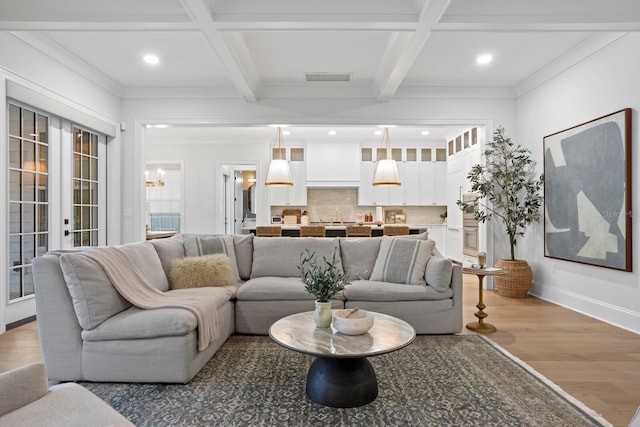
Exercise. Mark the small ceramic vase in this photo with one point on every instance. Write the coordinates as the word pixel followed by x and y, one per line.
pixel 322 315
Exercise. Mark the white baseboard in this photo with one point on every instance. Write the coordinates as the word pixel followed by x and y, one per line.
pixel 614 315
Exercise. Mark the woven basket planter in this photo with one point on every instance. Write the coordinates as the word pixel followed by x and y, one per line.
pixel 516 284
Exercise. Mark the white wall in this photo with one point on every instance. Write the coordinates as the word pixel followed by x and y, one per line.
pixel 605 82
pixel 53 83
pixel 203 178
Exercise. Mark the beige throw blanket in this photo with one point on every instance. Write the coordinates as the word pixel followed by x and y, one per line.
pixel 132 285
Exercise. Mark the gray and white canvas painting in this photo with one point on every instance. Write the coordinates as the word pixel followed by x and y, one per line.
pixel 586 198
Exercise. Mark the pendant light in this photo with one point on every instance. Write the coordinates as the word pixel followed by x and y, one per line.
pixel 279 174
pixel 386 173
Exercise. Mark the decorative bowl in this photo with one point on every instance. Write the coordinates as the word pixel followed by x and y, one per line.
pixel 352 321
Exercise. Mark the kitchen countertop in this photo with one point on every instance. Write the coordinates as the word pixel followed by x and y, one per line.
pixel 344 226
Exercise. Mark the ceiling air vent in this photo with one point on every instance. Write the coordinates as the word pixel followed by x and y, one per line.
pixel 327 77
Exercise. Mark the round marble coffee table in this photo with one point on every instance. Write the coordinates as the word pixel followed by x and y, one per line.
pixel 341 376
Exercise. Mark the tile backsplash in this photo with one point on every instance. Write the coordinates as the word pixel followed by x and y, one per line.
pixel 342 203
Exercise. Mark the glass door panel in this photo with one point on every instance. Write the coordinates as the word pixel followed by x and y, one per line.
pixel 28 196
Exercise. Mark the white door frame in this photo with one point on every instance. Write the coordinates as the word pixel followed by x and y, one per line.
pixel 225 199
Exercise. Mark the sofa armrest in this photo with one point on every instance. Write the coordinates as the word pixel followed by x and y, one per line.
pixel 21 386
pixel 456 285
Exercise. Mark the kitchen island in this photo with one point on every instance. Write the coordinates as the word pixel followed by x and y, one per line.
pixel 340 230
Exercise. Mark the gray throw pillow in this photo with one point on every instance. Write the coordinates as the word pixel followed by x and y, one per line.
pixel 359 255
pixel 402 261
pixel 438 273
pixel 199 245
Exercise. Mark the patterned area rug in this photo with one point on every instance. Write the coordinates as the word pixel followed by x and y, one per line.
pixel 461 380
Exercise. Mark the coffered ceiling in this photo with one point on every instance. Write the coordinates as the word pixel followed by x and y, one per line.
pixel 258 49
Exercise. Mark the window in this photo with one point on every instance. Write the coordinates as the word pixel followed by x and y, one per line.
pixel 28 196
pixel 85 188
pixel 165 221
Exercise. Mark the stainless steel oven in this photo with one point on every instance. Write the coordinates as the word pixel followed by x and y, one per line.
pixel 470 238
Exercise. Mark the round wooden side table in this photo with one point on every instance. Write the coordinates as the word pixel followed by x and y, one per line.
pixel 480 325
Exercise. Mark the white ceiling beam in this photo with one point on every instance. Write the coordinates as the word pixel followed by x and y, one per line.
pixel 96 26
pixel 390 80
pixel 240 68
pixel 532 27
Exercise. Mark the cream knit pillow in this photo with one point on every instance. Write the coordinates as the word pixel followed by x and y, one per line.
pixel 208 270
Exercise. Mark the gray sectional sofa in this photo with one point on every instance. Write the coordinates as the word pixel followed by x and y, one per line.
pixel 89 332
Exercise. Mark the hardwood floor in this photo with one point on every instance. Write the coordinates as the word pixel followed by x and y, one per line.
pixel 595 362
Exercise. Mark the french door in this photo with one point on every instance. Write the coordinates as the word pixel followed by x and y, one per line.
pixel 56 194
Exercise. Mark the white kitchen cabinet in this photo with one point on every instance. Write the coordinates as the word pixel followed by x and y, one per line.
pixel 433 183
pixel 423 181
pixel 439 183
pixel 454 243
pixel 437 233
pixel 411 184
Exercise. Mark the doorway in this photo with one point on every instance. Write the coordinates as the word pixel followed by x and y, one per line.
pixel 240 198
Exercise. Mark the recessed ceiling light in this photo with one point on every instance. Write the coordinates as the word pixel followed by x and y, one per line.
pixel 151 59
pixel 424 132
pixel 484 59
pixel 286 132
pixel 378 132
pixel 332 132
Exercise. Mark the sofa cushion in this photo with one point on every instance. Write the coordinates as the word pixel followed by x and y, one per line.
pixel 276 289
pixel 146 259
pixel 370 290
pixel 438 273
pixel 207 270
pixel 198 245
pixel 359 255
pixel 280 256
pixel 168 250
pixel 243 246
pixel 402 260
pixel 137 323
pixel 94 297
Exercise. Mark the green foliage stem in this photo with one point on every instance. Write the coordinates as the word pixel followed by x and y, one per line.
pixel 323 281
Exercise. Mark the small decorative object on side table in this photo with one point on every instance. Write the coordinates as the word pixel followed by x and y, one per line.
pixel 480 325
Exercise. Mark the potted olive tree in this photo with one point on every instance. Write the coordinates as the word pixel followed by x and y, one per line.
pixel 508 188
pixel 323 281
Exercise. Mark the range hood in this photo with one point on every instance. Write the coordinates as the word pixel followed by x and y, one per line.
pixel 333 164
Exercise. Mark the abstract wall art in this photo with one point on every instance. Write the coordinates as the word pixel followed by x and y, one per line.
pixel 587 192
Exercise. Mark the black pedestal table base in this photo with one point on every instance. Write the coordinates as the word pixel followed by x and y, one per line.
pixel 342 382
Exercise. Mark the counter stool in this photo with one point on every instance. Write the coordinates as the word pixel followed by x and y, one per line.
pixel 268 231
pixel 358 231
pixel 313 231
pixel 396 230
